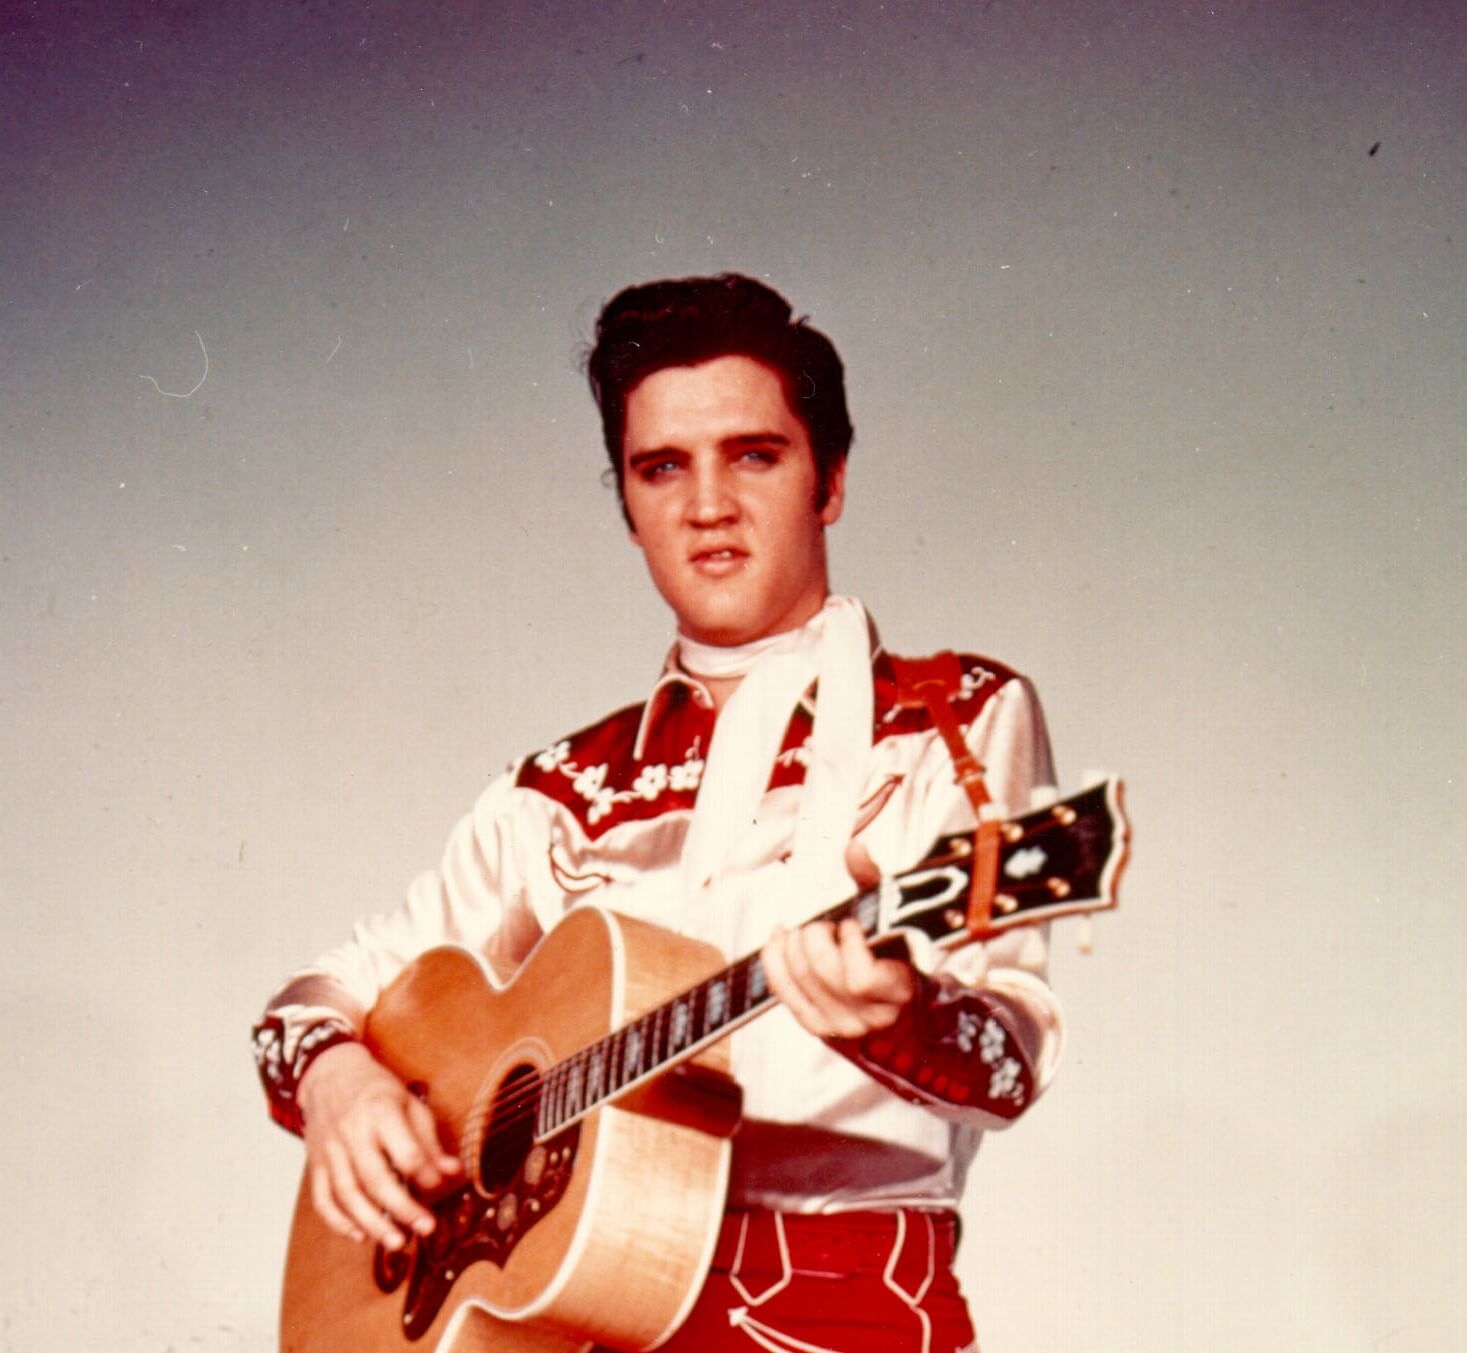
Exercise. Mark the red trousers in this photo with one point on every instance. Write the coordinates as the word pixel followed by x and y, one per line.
pixel 856 1282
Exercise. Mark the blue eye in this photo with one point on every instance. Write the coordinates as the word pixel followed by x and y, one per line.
pixel 653 470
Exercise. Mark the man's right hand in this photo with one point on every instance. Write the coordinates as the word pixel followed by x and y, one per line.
pixel 366 1137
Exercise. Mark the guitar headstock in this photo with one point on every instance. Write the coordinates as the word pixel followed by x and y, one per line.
pixel 1060 860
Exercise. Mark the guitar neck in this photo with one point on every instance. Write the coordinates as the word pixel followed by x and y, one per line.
pixel 671 1032
pixel 1059 860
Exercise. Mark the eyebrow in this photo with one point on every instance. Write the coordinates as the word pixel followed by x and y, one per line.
pixel 756 439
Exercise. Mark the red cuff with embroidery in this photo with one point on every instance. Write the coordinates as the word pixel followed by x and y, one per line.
pixel 282 1067
pixel 951 1048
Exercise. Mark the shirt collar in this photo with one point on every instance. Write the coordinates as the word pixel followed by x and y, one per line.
pixel 675 685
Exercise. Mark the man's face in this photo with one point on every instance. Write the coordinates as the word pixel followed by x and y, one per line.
pixel 720 486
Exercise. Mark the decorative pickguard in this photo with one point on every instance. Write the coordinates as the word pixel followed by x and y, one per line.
pixel 474 1226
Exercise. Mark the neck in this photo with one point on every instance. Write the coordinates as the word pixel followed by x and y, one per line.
pixel 721 667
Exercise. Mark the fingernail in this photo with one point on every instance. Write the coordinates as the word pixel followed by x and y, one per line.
pixel 392 1241
pixel 423 1226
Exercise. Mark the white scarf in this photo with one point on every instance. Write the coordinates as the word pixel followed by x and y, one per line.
pixel 834 646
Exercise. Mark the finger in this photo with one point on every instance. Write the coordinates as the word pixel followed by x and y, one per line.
pixel 388 1193
pixel 887 981
pixel 808 996
pixel 402 1141
pixel 881 987
pixel 828 983
pixel 786 986
pixel 356 1202
pixel 421 1119
pixel 324 1202
pixel 825 962
pixel 860 866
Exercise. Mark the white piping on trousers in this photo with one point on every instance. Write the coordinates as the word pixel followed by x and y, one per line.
pixel 738 1262
pixel 766 1336
pixel 888 1276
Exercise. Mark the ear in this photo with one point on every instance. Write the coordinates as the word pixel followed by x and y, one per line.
pixel 835 500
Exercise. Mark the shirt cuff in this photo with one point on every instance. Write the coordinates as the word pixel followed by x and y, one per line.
pixel 952 1049
pixel 283 1053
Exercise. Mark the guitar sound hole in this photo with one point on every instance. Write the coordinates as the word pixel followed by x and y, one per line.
pixel 511 1131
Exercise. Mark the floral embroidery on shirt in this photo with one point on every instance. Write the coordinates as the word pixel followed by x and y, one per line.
pixel 282 1059
pixel 991 1044
pixel 965 1030
pixel 973 680
pixel 652 781
pixel 1004 1083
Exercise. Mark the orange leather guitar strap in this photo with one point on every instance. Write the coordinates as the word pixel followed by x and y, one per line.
pixel 931 683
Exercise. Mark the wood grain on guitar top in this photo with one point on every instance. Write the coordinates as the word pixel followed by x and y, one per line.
pixel 618 1255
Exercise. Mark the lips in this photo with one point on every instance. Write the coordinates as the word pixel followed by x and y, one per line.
pixel 718 560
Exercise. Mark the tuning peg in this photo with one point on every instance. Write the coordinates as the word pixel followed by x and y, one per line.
pixel 1085 935
pixel 1092 778
pixel 1042 796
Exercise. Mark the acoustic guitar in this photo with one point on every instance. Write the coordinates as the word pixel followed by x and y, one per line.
pixel 590 1102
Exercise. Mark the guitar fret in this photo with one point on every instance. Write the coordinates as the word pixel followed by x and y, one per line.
pixel 632 1045
pixel 654 1049
pixel 613 1061
pixel 573 1086
pixel 715 1004
pixel 758 984
pixel 743 987
pixel 596 1072
pixel 680 1024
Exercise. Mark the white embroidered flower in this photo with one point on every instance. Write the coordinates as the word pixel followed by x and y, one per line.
pixel 651 782
pixel 589 782
pixel 966 1032
pixel 1005 1079
pixel 973 679
pixel 991 1042
pixel 687 775
pixel 551 758
pixel 601 804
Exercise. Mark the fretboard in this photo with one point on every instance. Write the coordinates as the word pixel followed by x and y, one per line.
pixel 671 1032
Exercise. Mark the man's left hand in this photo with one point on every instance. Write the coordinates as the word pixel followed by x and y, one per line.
pixel 832 982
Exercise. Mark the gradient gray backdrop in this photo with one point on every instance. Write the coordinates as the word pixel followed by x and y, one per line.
pixel 1158 378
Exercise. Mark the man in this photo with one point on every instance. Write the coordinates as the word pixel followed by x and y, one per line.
pixel 773 765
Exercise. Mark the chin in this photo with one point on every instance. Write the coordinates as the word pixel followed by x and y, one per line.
pixel 720 636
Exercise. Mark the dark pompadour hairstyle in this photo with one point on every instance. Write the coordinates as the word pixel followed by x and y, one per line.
pixel 685 321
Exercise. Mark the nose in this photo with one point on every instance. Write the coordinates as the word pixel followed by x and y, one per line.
pixel 711 498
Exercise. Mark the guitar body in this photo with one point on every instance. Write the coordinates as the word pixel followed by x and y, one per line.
pixel 601 1231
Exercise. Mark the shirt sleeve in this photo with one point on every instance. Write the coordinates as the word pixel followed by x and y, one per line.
pixel 478 898
pixel 982 1038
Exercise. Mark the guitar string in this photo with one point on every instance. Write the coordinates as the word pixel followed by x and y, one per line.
pixel 526 1097
pixel 523 1103
pixel 532 1092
